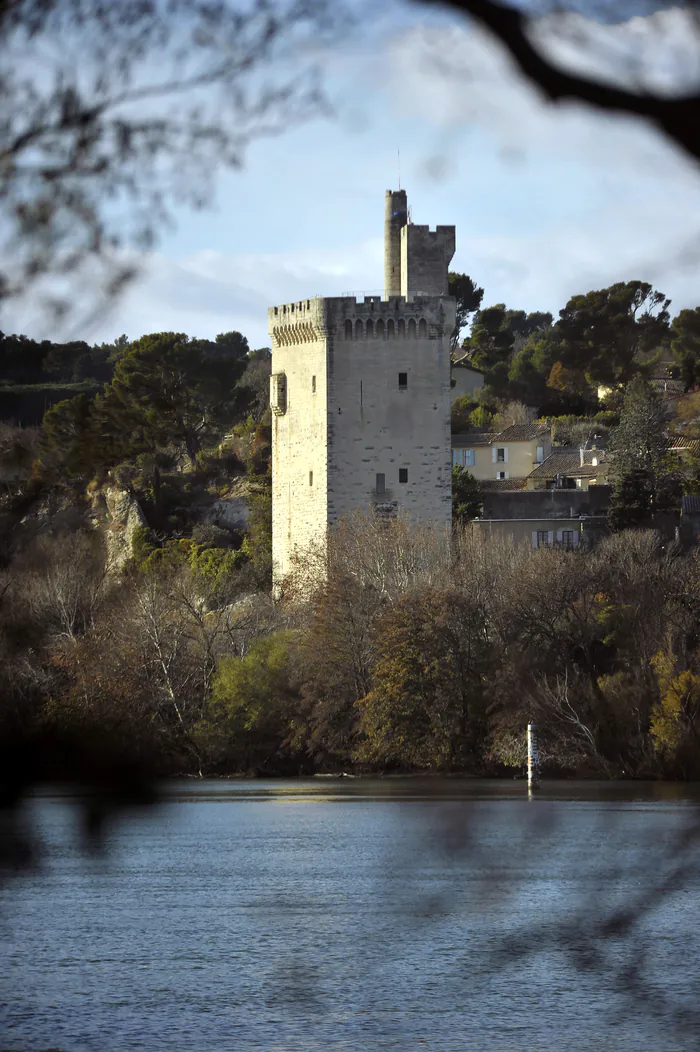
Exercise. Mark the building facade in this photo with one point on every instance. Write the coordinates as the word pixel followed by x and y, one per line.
pixel 553 518
pixel 360 397
pixel 509 454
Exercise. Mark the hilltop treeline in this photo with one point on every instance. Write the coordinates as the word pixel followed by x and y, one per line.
pixel 417 653
pixel 154 428
pixel 601 339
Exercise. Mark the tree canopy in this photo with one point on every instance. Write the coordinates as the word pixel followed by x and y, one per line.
pixel 602 337
pixel 685 345
pixel 468 297
pixel 497 334
pixel 176 389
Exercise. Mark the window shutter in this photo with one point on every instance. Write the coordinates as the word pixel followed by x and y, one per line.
pixel 505 455
pixel 534 538
pixel 455 457
pixel 559 536
pixel 493 454
pixel 506 474
pixel 576 538
pixel 550 537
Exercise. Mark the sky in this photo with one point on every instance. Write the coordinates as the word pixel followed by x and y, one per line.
pixel 547 201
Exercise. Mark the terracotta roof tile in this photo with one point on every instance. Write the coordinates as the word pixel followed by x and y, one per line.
pixel 473 438
pixel 568 462
pixel 523 432
pixel 501 485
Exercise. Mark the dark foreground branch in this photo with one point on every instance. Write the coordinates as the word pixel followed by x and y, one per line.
pixel 678 117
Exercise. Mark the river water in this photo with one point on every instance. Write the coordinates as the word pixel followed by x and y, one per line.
pixel 361 915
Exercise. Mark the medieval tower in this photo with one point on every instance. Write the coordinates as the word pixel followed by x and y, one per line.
pixel 360 396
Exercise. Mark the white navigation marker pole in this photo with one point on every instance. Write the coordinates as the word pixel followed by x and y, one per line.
pixel 532 779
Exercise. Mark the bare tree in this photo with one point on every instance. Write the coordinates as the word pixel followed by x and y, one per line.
pixel 61 580
pixel 114 113
pixel 563 704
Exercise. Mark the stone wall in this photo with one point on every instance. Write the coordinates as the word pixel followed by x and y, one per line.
pixel 347 418
pixel 378 425
pixel 425 259
pixel 299 434
pixel 360 396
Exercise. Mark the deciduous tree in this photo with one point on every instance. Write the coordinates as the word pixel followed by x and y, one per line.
pixel 426 708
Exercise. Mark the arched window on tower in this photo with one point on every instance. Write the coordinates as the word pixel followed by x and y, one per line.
pixel 358 330
pixel 370 329
pixel 412 329
pixel 402 328
pixel 348 329
pixel 422 327
pixel 390 329
pixel 380 329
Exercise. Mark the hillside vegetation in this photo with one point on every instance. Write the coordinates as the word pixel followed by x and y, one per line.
pixel 135 608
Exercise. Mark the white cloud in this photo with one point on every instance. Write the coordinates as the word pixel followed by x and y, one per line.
pixel 210 292
pixel 460 77
pixel 658 51
pixel 592 201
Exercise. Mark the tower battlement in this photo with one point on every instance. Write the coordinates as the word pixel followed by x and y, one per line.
pixel 346 317
pixel 360 396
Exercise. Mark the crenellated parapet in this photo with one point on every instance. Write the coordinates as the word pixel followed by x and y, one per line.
pixel 303 321
pixel 425 259
pixel 348 318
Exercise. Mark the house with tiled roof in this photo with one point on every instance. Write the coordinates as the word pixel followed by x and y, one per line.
pixel 503 455
pixel 569 468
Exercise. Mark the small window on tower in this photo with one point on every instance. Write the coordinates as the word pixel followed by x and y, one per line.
pixel 311 478
pixel 403 474
pixel 403 381
pixel 313 385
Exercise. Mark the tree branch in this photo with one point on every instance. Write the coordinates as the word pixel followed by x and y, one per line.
pixel 678 117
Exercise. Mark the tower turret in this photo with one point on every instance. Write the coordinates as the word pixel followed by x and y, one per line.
pixel 395 217
pixel 360 398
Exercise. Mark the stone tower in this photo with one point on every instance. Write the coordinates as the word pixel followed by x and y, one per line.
pixel 360 396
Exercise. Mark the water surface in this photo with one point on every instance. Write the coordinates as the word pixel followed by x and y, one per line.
pixel 360 915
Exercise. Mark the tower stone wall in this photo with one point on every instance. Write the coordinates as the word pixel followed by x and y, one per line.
pixel 360 394
pixel 395 219
pixel 425 259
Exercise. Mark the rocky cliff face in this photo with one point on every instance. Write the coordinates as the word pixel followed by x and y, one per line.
pixel 116 512
pixel 231 510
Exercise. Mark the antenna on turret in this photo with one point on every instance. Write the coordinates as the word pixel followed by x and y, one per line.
pixel 398 159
